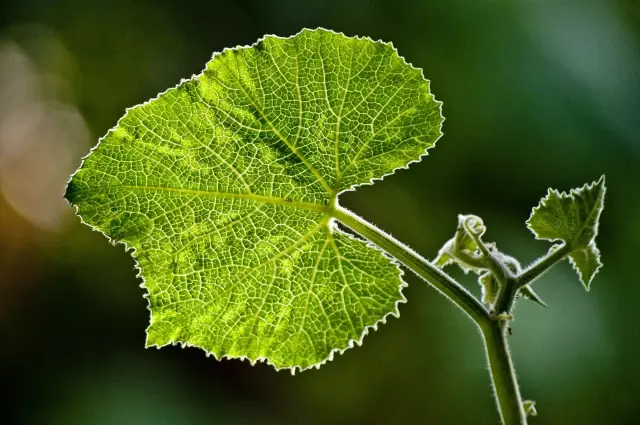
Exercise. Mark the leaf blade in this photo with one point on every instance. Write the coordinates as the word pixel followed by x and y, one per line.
pixel 223 188
pixel 573 218
pixel 586 262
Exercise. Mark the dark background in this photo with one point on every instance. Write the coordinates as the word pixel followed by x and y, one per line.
pixel 537 94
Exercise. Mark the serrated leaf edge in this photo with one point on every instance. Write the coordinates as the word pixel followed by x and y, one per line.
pixel 133 251
pixel 574 265
pixel 572 194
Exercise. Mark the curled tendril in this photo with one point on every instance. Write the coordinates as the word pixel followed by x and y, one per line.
pixel 473 225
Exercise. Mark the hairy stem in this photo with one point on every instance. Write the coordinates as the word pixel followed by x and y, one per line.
pixel 421 267
pixel 507 296
pixel 503 374
pixel 542 265
pixel 493 330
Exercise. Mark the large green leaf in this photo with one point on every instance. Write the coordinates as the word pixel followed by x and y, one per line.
pixel 573 218
pixel 226 185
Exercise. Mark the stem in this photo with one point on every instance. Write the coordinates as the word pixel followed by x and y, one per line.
pixel 507 297
pixel 512 284
pixel 542 265
pixel 421 267
pixel 503 374
pixel 493 330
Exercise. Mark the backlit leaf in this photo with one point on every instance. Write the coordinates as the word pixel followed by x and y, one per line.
pixel 225 188
pixel 573 218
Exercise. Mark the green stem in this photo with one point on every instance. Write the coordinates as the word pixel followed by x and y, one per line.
pixel 423 268
pixel 507 296
pixel 503 374
pixel 493 330
pixel 542 265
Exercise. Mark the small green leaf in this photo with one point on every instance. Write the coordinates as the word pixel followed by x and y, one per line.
pixel 530 408
pixel 573 218
pixel 586 262
pixel 226 187
pixel 528 293
pixel 443 258
pixel 490 287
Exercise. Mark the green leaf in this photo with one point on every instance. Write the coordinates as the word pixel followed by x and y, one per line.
pixel 586 262
pixel 490 288
pixel 528 293
pixel 529 407
pixel 573 218
pixel 225 187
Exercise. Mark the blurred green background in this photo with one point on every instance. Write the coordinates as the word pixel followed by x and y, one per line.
pixel 536 93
